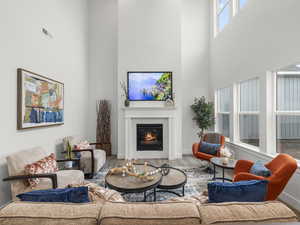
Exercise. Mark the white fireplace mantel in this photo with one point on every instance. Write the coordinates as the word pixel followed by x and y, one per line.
pixel 165 115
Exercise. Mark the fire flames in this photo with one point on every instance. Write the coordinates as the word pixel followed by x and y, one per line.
pixel 150 137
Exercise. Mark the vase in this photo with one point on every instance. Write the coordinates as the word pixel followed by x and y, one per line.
pixel 69 164
pixel 225 161
pixel 126 103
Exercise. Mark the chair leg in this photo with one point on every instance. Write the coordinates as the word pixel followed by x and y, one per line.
pixel 208 169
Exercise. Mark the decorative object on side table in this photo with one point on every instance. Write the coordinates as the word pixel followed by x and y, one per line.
pixel 203 114
pixel 103 134
pixel 225 154
pixel 40 101
pixel 69 155
pixel 218 162
pixel 125 94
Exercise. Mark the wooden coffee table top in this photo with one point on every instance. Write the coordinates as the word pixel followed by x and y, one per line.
pixel 174 179
pixel 130 184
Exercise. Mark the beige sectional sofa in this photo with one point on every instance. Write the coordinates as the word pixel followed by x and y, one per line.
pixel 159 213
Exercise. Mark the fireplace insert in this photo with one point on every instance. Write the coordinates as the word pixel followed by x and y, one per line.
pixel 149 137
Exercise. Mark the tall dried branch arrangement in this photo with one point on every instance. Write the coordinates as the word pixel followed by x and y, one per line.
pixel 103 126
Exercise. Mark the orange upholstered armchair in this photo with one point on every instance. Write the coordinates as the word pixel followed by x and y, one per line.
pixel 213 138
pixel 282 167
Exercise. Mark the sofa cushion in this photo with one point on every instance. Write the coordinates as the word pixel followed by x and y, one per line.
pixel 234 212
pixel 75 195
pixel 35 213
pixel 160 213
pixel 243 191
pixel 259 169
pixel 47 164
pixel 208 148
pixel 16 162
pixel 66 177
pixel 100 194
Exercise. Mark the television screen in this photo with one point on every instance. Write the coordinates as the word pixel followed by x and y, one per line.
pixel 149 86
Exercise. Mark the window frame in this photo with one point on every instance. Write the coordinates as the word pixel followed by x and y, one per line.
pixel 281 112
pixel 238 4
pixel 234 9
pixel 229 3
pixel 219 112
pixel 239 112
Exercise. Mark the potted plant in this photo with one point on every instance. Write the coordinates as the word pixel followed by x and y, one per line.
pixel 125 94
pixel 69 164
pixel 203 114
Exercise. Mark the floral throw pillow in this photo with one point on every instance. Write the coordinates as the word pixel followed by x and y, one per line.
pixel 45 165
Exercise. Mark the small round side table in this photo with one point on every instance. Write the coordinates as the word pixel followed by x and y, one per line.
pixel 218 162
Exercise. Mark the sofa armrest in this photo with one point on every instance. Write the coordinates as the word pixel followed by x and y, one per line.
pixel 247 176
pixel 91 151
pixel 243 166
pixel 51 176
pixel 195 148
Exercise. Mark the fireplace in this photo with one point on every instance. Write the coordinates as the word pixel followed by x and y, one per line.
pixel 149 137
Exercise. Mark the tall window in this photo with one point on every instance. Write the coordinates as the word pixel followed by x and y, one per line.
pixel 249 112
pixel 224 12
pixel 224 98
pixel 288 114
pixel 242 3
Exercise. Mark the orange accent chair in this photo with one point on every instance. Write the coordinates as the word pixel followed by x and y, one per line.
pixel 282 167
pixel 213 138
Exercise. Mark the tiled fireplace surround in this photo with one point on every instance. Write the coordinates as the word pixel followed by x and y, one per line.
pixel 167 116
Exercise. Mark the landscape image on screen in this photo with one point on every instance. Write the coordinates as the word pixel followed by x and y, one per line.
pixel 154 86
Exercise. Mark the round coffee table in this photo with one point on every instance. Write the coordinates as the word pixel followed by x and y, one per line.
pixel 217 161
pixel 173 179
pixel 130 184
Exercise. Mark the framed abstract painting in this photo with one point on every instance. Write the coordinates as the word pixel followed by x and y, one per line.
pixel 40 101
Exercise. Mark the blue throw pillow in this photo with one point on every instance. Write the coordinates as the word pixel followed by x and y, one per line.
pixel 209 148
pixel 74 195
pixel 243 191
pixel 259 169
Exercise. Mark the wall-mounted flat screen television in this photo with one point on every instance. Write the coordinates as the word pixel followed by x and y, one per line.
pixel 149 86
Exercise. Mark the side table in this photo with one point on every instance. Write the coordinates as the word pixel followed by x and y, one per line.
pixel 218 162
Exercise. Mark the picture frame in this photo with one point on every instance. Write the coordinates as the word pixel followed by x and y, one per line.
pixel 40 101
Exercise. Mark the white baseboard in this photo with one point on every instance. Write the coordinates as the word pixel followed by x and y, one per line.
pixel 187 151
pixel 290 200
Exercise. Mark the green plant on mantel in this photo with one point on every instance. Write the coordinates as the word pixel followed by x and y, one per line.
pixel 203 114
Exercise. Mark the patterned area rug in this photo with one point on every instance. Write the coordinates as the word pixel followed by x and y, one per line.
pixel 197 181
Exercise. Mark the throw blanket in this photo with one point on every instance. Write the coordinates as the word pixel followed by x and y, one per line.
pixel 100 194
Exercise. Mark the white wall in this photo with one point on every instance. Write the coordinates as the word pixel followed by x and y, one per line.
pixel 103 84
pixel 262 36
pixel 148 35
pixel 62 58
pixel 149 39
pixel 195 26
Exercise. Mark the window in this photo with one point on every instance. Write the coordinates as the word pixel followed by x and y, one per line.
pixel 249 112
pixel 224 12
pixel 242 3
pixel 224 98
pixel 288 114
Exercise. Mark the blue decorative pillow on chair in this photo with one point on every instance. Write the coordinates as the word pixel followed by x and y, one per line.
pixel 209 148
pixel 259 169
pixel 243 191
pixel 74 195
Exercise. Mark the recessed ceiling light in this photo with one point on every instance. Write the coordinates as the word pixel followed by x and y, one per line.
pixel 298 65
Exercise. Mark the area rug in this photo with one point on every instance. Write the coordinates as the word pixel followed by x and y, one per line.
pixel 197 181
